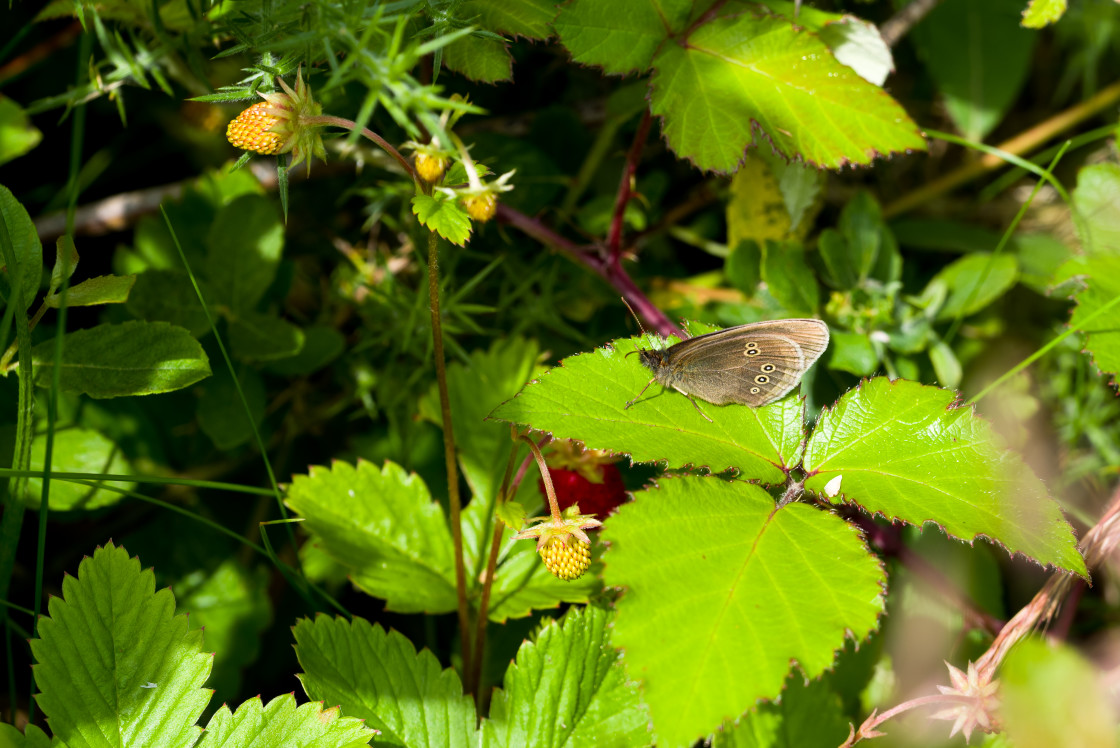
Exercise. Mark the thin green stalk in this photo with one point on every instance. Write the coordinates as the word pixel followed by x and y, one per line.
pixel 1041 352
pixel 120 477
pixel 240 394
pixel 449 453
pixel 999 247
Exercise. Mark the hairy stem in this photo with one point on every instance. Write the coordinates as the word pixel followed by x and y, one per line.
pixel 449 452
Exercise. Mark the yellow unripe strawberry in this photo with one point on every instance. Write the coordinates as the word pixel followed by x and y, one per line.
pixel 566 557
pixel 249 131
pixel 430 167
pixel 481 207
pixel 562 542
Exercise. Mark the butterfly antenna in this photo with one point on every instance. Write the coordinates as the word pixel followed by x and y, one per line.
pixel 627 303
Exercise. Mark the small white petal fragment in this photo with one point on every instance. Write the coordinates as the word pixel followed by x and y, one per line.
pixel 149 684
pixel 833 487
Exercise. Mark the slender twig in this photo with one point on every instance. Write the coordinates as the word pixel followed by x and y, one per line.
pixel 449 451
pixel 897 26
pixel 625 185
pixel 1021 143
pixel 346 124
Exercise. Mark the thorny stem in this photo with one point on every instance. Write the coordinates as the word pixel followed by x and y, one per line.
pixel 874 720
pixel 633 156
pixel 593 258
pixel 449 451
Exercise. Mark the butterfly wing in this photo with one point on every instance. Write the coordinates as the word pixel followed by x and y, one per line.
pixel 750 364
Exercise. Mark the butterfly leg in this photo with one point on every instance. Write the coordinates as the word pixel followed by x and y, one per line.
pixel 639 396
pixel 694 404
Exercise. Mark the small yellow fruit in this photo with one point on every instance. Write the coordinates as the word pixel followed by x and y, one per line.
pixel 249 130
pixel 429 167
pixel 567 557
pixel 482 207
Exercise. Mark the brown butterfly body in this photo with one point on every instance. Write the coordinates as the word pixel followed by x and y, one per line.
pixel 751 364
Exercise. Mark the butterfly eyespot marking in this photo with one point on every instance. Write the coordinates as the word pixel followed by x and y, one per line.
pixel 755 390
pixel 752 349
pixel 768 367
pixel 762 379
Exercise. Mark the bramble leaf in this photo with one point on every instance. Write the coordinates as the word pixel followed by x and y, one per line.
pixel 902 450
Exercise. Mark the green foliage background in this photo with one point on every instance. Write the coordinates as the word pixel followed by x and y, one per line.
pixel 203 349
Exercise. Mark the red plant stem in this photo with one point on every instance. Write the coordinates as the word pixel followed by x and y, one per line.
pixel 633 157
pixel 593 258
pixel 546 478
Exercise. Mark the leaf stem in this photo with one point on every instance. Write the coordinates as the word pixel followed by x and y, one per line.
pixel 449 452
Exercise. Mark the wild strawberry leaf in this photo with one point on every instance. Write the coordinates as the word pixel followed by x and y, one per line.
pixel 115 666
pixel 483 60
pixel 585 398
pixel 385 528
pixel 132 358
pixel 723 590
pixel 567 687
pixel 741 76
pixel 443 216
pixel 31 737
pixel 281 722
pixel 381 678
pixel 167 296
pixel 902 450
pixel 1102 334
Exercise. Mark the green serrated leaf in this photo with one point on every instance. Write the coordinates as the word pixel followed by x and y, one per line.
pixel 281 722
pixel 568 688
pixel 1096 202
pixel 244 247
pixel 381 678
pixel 724 590
pixel 901 450
pixel 27 248
pixel 115 666
pixel 168 296
pixel 528 18
pixel 105 289
pixel 384 526
pixel 1102 335
pixel 1041 13
pixel 480 60
pixel 132 358
pixel 740 71
pixel 808 714
pixel 618 35
pixel 32 737
pixel 445 217
pixel 974 282
pixel 77 450
pixel 257 336
pixel 585 397
pixel 979 58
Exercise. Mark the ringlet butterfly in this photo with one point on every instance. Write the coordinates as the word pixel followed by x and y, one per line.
pixel 751 364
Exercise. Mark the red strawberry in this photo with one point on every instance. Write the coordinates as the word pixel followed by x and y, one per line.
pixel 600 498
